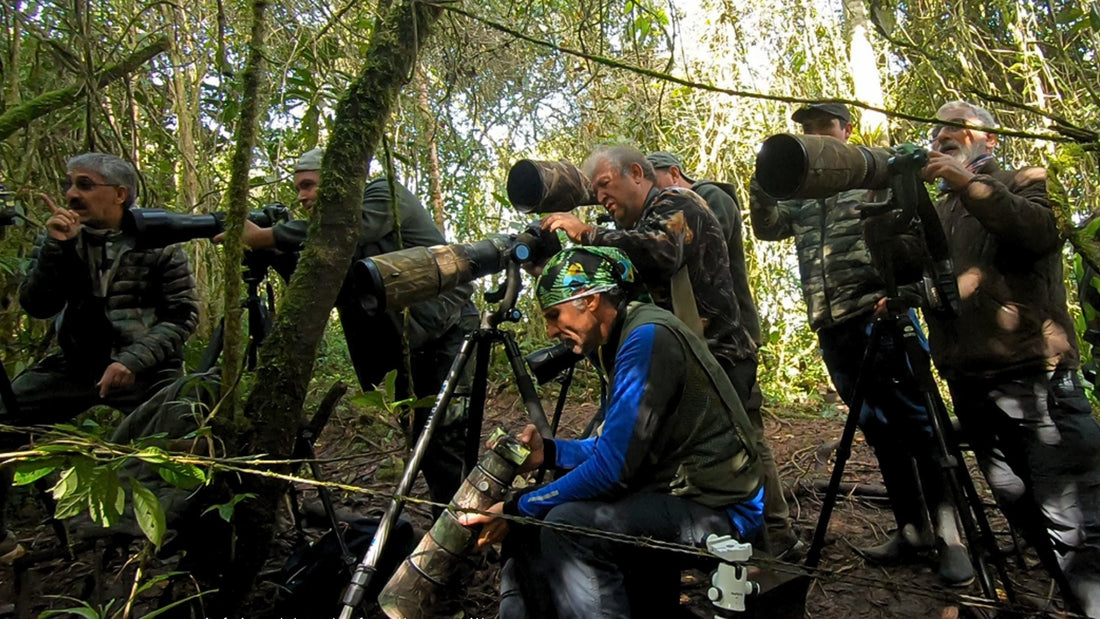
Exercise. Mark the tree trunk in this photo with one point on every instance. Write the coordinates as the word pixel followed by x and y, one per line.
pixel 865 74
pixel 17 117
pixel 274 407
pixel 435 185
pixel 237 207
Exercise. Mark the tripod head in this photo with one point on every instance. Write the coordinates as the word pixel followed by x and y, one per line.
pixel 906 241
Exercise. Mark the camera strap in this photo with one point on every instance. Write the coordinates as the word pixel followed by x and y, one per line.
pixel 683 301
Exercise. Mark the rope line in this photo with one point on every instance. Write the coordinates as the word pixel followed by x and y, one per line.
pixel 258 466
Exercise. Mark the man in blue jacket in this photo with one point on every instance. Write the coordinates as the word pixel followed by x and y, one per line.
pixel 675 459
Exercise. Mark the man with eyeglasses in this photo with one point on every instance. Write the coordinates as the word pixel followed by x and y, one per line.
pixel 1010 356
pixel 843 294
pixel 122 314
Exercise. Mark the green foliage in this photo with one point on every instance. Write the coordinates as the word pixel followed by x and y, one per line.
pixel 227 509
pixel 114 610
pixel 91 474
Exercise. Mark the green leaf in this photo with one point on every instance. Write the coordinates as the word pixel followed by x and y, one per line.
pixel 180 475
pixel 149 513
pixel 369 399
pixel 106 499
pixel 391 384
pixel 225 510
pixel 30 471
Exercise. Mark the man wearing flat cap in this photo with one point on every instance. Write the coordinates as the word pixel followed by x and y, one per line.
pixel 722 200
pixel 674 459
pixel 435 328
pixel 842 291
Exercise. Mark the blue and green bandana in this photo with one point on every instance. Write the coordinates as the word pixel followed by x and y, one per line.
pixel 580 271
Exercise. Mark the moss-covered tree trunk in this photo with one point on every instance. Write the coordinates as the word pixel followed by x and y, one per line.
pixel 237 199
pixel 273 410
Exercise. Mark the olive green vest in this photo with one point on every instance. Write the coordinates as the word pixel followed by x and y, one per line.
pixel 705 448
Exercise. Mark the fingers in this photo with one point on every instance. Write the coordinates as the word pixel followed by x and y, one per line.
pixel 528 434
pixel 49 202
pixel 469 519
pixel 218 238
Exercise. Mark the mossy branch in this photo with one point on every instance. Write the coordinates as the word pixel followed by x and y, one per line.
pixel 21 115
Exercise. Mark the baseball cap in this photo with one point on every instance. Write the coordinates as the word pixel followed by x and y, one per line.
pixel 838 110
pixel 662 161
pixel 310 160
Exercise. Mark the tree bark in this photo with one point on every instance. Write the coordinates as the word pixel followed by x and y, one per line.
pixel 273 409
pixel 17 117
pixel 237 206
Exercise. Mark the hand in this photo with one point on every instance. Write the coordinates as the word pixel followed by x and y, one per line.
pixel 574 228
pixel 63 224
pixel 253 236
pixel 947 167
pixel 116 376
pixel 530 436
pixel 880 308
pixel 493 530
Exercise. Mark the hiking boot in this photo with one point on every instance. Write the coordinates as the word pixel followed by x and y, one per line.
pixel 10 548
pixel 793 553
pixel 955 568
pixel 902 546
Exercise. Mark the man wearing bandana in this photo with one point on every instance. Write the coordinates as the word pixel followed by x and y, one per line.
pixel 675 459
pixel 122 313
pixel 1010 357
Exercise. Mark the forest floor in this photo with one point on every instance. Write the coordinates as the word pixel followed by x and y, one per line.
pixel 846 587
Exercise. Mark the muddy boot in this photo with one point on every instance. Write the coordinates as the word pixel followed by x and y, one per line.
pixel 902 547
pixel 955 568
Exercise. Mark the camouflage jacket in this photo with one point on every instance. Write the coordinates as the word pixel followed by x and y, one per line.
pixel 676 229
pixel 838 281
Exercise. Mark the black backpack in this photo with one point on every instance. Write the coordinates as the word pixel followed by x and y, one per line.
pixel 313 579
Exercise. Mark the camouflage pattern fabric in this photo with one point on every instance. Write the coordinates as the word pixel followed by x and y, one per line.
pixel 581 271
pixel 677 229
pixel 548 186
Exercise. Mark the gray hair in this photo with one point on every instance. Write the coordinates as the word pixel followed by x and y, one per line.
pixel 983 115
pixel 114 170
pixel 620 156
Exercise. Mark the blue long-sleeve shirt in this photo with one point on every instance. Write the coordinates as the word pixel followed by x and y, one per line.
pixel 648 378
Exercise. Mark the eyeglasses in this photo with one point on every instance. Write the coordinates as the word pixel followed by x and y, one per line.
pixel 83 183
pixel 938 129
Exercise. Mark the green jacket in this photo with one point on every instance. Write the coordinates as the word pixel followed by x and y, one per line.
pixel 704 449
pixel 722 200
pixel 838 281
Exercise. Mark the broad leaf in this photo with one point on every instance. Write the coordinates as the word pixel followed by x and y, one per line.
pixel 149 512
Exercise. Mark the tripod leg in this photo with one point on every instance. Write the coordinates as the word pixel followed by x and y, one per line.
pixel 844 448
pixel 360 579
pixel 476 409
pixel 957 479
pixel 526 386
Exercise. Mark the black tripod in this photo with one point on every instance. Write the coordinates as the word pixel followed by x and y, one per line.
pixel 483 339
pixel 979 536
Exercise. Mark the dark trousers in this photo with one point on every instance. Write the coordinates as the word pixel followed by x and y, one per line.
pixel 551 573
pixel 375 349
pixel 777 524
pixel 1039 447
pixel 55 390
pixel 893 417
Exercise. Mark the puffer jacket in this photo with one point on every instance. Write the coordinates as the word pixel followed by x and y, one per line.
pixel 838 280
pixel 140 317
pixel 1007 253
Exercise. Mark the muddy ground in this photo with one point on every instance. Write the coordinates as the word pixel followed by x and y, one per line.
pixel 845 588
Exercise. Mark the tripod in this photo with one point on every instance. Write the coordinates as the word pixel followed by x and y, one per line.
pixel 483 339
pixel 979 536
